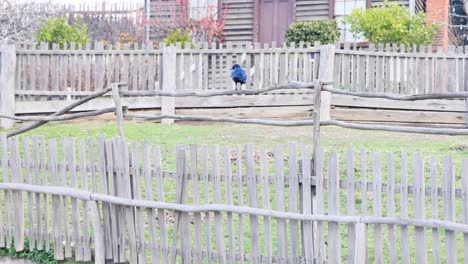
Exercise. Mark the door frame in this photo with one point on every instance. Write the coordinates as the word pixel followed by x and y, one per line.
pixel 256 18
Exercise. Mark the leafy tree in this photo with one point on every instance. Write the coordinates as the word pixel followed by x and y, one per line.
pixel 178 36
pixel 324 31
pixel 391 23
pixel 57 30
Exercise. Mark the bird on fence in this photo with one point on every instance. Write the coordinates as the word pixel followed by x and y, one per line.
pixel 238 75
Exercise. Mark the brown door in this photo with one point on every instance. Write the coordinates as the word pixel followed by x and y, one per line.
pixel 275 17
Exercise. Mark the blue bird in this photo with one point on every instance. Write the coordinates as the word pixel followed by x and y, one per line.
pixel 238 75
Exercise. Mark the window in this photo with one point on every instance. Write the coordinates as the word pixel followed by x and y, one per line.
pixel 342 9
pixel 200 8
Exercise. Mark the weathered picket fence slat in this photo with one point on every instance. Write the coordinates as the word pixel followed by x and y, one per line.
pixel 391 210
pixel 266 205
pixel 405 246
pixel 334 244
pixel 464 176
pixel 293 203
pixel 449 207
pixel 377 206
pixel 319 208
pixel 434 211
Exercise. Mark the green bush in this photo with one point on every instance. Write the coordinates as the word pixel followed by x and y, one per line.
pixel 57 30
pixel 325 31
pixel 37 256
pixel 391 23
pixel 178 36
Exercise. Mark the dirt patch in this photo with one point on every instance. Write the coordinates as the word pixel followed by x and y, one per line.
pixel 5 260
pixel 459 147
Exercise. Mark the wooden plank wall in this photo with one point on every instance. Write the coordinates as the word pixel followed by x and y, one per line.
pixel 165 16
pixel 401 70
pixel 312 10
pixel 239 22
pixel 390 185
pixel 418 113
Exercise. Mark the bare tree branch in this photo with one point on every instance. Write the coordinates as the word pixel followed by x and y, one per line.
pixel 20 20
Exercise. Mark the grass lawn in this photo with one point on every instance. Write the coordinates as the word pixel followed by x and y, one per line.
pixel 332 138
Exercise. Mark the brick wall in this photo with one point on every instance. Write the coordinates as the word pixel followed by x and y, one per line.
pixel 437 12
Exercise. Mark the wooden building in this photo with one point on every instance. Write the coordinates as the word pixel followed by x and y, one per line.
pixel 266 21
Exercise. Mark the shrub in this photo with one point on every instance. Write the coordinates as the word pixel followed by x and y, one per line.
pixel 391 23
pixel 178 36
pixel 325 31
pixel 39 256
pixel 57 30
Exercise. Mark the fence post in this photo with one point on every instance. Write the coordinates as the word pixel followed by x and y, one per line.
pixel 169 62
pixel 118 109
pixel 326 69
pixel 7 84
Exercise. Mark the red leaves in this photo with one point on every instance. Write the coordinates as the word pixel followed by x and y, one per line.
pixel 211 26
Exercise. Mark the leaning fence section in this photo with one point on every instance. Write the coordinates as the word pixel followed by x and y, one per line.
pixel 143 203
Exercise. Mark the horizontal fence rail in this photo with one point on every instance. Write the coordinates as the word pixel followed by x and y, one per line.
pixel 119 201
pixel 294 86
pixel 222 208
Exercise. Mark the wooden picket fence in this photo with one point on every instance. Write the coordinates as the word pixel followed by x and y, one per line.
pixel 401 69
pixel 76 71
pixel 106 199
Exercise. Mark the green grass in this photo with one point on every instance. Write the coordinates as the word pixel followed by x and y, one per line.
pixel 332 138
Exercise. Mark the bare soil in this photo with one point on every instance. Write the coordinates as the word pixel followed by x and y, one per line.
pixel 5 260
